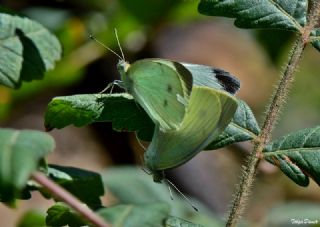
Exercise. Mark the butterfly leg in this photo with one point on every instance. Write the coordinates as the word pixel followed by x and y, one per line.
pixel 110 86
pixel 119 83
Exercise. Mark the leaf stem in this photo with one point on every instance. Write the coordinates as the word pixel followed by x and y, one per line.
pixel 68 198
pixel 273 111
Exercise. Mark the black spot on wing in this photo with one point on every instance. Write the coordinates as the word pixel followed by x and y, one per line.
pixel 229 82
pixel 169 88
pixel 165 103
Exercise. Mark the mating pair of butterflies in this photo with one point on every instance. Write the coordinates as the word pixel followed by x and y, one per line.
pixel 190 105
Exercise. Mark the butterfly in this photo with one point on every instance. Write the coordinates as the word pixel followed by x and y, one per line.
pixel 190 105
pixel 163 87
pixel 209 112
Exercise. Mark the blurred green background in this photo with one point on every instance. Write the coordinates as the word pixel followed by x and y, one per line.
pixel 173 30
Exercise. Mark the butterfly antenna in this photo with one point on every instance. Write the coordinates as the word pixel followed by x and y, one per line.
pixel 145 170
pixel 108 48
pixel 170 191
pixel 185 197
pixel 116 33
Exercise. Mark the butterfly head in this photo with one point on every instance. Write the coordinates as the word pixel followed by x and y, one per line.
pixel 123 66
pixel 158 176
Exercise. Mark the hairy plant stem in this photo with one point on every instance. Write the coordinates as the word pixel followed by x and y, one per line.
pixel 277 102
pixel 63 195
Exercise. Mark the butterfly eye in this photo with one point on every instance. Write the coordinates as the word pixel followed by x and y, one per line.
pixel 120 66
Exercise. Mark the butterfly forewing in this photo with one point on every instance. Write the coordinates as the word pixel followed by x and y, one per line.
pixel 161 90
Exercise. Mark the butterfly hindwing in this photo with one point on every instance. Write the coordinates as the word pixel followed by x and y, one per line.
pixel 209 112
pixel 161 89
pixel 204 75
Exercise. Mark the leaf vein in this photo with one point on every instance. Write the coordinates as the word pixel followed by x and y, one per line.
pixel 286 13
pixel 232 124
pixel 8 76
pixel 287 151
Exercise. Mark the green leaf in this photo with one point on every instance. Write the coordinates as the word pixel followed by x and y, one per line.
pixel 315 38
pixel 85 185
pixel 20 155
pixel 297 155
pixel 27 50
pixel 31 185
pixel 143 190
pixel 32 218
pixel 274 14
pixel 243 127
pixel 178 222
pixel 130 215
pixel 62 215
pixel 79 110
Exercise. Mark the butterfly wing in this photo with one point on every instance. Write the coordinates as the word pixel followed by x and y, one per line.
pixel 208 114
pixel 204 75
pixel 162 88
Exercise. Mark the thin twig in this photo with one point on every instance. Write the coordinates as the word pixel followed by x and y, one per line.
pixel 63 195
pixel 273 112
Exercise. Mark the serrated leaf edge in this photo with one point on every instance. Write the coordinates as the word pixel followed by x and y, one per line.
pixel 286 151
pixel 288 15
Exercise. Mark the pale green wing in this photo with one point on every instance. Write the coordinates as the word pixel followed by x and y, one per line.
pixel 161 89
pixel 209 112
pixel 208 76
